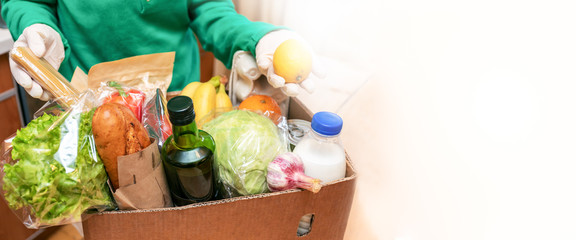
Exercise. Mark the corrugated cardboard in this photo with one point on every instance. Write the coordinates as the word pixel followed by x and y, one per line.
pixel 262 216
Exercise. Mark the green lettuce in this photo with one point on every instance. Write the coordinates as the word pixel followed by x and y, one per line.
pixel 58 174
pixel 245 143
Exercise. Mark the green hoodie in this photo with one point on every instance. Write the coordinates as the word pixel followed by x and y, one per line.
pixel 107 30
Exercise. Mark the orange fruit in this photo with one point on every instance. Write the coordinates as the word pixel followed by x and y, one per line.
pixel 292 61
pixel 264 105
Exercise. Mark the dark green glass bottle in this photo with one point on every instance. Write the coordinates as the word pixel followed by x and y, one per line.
pixel 188 156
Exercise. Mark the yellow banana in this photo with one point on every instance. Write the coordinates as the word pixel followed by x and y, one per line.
pixel 223 102
pixel 190 89
pixel 204 100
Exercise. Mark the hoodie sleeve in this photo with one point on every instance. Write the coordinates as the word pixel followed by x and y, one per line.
pixel 20 14
pixel 222 31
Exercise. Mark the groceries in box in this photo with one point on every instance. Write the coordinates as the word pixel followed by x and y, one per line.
pixel 121 152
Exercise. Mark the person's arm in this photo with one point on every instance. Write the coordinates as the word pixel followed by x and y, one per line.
pixel 222 31
pixel 33 24
pixel 20 14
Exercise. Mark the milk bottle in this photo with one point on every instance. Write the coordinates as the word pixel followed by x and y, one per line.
pixel 321 150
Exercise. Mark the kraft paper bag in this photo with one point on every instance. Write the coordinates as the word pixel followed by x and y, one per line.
pixel 141 175
pixel 142 181
pixel 143 72
pixel 79 80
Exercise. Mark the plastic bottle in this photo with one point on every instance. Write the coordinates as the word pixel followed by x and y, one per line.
pixel 321 149
pixel 188 156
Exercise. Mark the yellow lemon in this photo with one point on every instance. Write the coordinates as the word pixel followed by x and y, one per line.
pixel 292 61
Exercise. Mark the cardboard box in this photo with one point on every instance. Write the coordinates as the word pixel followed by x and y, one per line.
pixel 262 216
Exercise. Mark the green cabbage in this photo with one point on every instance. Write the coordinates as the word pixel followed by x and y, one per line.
pixel 57 174
pixel 245 143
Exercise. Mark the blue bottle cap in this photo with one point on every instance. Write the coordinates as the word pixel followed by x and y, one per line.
pixel 327 123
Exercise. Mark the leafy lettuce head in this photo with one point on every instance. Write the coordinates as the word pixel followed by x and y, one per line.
pixel 245 143
pixel 56 174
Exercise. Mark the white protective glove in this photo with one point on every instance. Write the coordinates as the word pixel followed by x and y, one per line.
pixel 265 53
pixel 45 43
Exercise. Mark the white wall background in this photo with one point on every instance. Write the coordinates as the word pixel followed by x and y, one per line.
pixel 460 116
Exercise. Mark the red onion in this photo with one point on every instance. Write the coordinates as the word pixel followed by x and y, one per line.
pixel 286 171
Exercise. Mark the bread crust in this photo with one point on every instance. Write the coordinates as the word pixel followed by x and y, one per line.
pixel 117 132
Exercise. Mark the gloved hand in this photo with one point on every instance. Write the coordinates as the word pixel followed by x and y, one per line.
pixel 44 42
pixel 264 57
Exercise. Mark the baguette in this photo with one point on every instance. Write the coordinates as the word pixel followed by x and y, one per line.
pixel 117 132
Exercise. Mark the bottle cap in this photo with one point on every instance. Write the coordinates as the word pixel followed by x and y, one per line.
pixel 327 123
pixel 181 110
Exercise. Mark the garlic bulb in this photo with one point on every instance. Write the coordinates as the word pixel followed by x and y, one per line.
pixel 286 171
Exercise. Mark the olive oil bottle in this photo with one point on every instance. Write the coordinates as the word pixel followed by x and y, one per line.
pixel 188 156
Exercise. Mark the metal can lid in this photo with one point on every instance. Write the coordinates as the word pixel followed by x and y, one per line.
pixel 297 129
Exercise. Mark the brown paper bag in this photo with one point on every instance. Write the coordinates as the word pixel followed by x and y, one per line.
pixel 144 72
pixel 141 175
pixel 142 181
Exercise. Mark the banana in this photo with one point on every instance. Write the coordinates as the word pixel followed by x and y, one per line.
pixel 223 102
pixel 190 89
pixel 204 100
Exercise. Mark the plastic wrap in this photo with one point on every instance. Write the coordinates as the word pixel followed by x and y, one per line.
pixel 245 143
pixel 51 172
pixel 148 105
pixel 128 96
pixel 155 118
pixel 46 75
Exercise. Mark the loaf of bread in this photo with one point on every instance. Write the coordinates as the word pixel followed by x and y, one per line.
pixel 117 132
